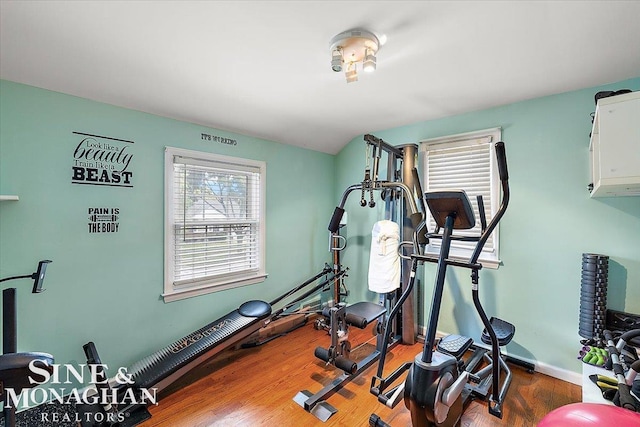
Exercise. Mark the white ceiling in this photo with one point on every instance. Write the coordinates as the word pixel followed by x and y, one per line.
pixel 262 68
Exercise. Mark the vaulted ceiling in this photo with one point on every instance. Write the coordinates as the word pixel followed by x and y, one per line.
pixel 262 68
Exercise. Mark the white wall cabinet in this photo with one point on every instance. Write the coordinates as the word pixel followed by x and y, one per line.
pixel 615 146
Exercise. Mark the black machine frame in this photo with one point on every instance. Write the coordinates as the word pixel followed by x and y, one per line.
pixel 397 192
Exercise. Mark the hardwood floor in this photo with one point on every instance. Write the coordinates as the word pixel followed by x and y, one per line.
pixel 255 387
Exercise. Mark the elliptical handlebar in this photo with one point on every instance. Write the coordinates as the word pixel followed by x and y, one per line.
pixel 487 229
pixel 501 158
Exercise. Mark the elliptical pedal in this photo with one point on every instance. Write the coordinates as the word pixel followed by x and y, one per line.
pixel 455 345
pixel 503 329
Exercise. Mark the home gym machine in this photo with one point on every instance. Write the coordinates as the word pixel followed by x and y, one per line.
pixel 437 384
pixel 165 366
pixel 398 194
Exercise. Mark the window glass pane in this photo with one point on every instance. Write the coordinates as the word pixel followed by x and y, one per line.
pixel 464 162
pixel 463 167
pixel 216 221
pixel 214 250
pixel 215 225
pixel 212 195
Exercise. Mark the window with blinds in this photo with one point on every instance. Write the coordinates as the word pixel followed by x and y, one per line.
pixel 467 162
pixel 214 235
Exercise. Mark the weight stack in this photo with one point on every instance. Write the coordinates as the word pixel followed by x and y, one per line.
pixel 593 296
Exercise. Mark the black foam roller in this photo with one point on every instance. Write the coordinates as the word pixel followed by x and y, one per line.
pixel 355 320
pixel 349 366
pixel 322 353
pixel 593 294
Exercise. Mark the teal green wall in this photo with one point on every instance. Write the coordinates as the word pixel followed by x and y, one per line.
pixel 106 287
pixel 550 222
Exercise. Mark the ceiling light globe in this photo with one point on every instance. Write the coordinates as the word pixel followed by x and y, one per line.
pixel 351 75
pixel 336 60
pixel 369 64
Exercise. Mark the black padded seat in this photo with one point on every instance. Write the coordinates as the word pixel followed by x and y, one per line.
pixel 14 369
pixel 362 313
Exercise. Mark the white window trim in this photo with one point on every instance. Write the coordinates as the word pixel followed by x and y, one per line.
pixel 173 292
pixel 488 259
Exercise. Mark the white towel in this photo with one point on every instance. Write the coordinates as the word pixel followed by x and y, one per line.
pixel 384 261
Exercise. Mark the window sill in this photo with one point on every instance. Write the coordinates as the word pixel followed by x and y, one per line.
pixel 194 291
pixel 493 264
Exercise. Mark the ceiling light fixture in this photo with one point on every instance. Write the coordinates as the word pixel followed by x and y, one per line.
pixel 359 46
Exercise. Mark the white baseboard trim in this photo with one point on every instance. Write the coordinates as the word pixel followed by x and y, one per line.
pixel 559 373
pixel 543 368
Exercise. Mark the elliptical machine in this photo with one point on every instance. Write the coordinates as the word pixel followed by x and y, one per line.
pixel 436 386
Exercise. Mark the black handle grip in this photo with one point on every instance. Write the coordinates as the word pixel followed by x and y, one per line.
pixel 349 366
pixel 334 225
pixel 376 421
pixel 501 157
pixel 91 353
pixel 481 213
pixel 419 192
pixel 629 335
pixel 415 219
pixel 607 335
pixel 627 401
pixel 93 358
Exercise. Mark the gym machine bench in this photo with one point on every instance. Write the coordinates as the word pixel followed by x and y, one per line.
pixel 166 365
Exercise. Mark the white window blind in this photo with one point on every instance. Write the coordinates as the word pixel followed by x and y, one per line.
pixel 215 222
pixel 466 162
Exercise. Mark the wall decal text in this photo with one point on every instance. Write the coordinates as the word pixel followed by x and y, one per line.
pixel 221 140
pixel 102 160
pixel 104 220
